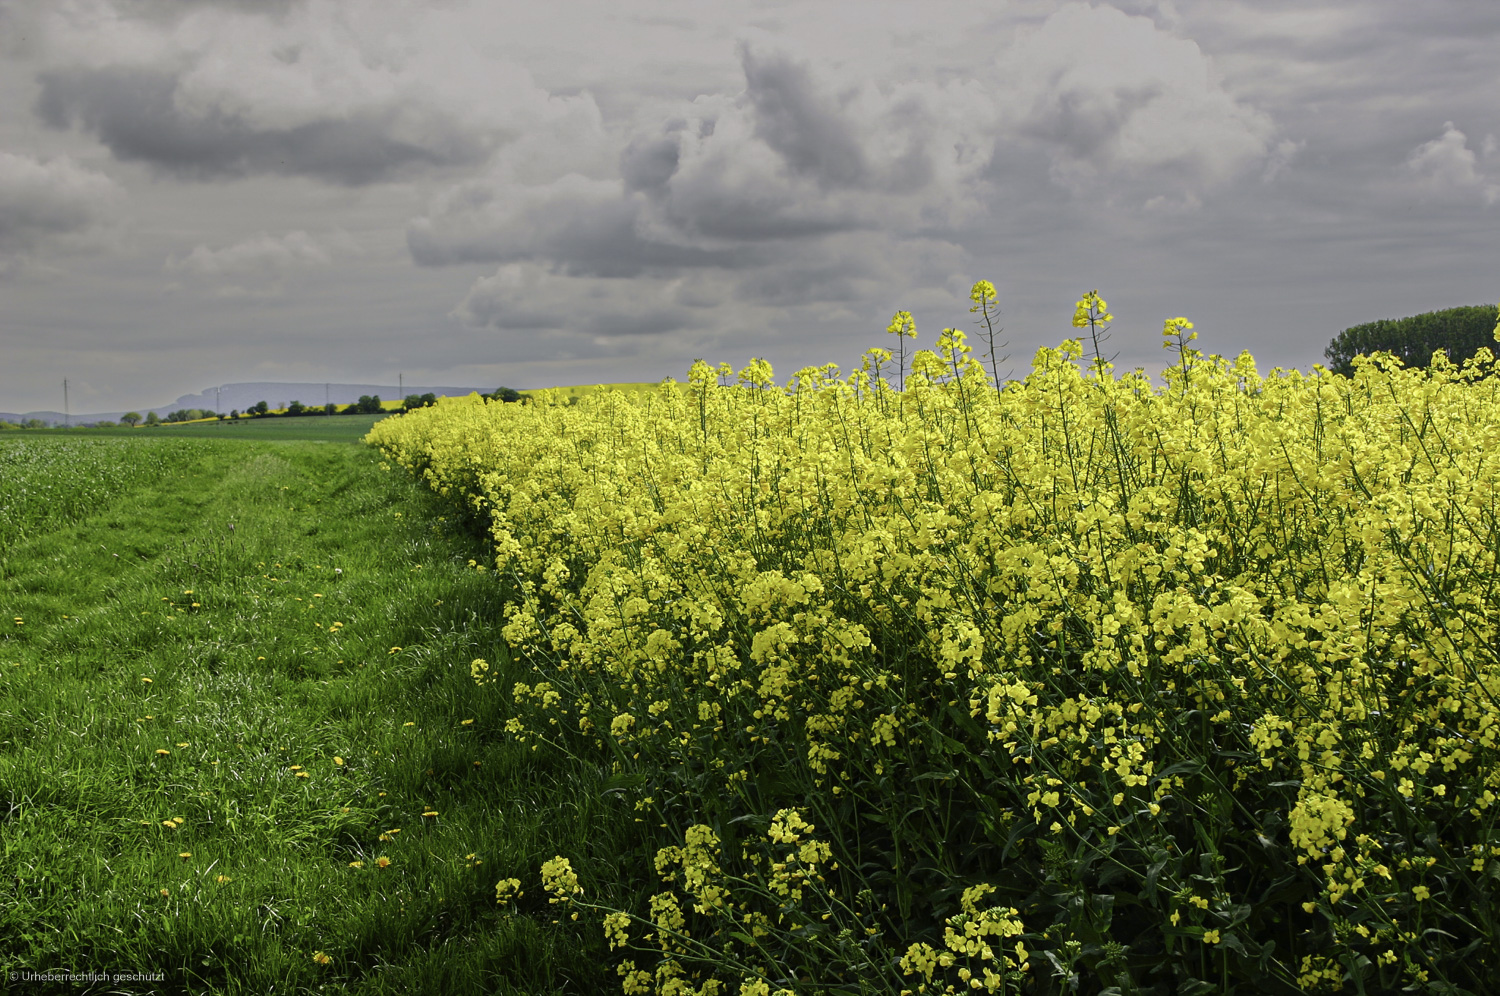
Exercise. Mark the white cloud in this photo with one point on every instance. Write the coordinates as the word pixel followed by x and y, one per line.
pixel 1114 98
pixel 256 266
pixel 1446 168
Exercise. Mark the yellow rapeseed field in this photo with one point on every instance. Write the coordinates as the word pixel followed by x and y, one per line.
pixel 961 686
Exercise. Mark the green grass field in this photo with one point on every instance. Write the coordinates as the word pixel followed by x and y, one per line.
pixel 239 741
pixel 311 428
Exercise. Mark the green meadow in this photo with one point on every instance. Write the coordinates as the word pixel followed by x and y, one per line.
pixel 239 742
pixel 309 428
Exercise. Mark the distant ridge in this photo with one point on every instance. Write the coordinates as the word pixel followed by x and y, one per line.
pixel 241 396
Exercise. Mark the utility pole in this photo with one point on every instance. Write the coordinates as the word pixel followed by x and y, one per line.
pixel 325 400
pixel 401 385
pixel 216 406
pixel 67 412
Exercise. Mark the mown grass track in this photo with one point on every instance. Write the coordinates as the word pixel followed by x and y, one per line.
pixel 223 687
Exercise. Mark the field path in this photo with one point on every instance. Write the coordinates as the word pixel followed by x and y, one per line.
pixel 240 746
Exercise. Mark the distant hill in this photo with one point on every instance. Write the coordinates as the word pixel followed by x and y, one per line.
pixel 241 396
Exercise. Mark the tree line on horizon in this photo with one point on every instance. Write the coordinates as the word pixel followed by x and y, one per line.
pixel 1458 332
pixel 368 404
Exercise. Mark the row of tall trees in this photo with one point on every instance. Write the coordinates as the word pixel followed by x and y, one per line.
pixel 1460 332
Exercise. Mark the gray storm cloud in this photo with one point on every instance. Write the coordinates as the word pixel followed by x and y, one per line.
pixel 585 225
pixel 229 93
pixel 764 181
pixel 526 297
pixel 136 114
pixel 49 202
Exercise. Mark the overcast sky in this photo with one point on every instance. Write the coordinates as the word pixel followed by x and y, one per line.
pixel 197 193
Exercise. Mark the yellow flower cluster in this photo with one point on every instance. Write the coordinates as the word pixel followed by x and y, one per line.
pixel 1276 587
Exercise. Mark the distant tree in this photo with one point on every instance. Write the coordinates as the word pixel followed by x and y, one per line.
pixel 504 394
pixel 153 419
pixel 103 423
pixel 7 426
pixel 1458 331
pixel 261 408
pixel 33 423
pixel 330 408
pixel 131 419
pixel 222 416
pixel 234 413
pixel 412 402
pixel 369 404
pixel 429 399
pixel 296 408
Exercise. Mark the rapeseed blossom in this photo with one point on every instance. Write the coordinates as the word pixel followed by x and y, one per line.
pixel 1091 614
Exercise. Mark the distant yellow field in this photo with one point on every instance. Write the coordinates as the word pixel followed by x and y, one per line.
pixel 579 390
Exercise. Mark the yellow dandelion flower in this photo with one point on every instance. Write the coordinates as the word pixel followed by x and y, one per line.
pixel 162 752
pixel 338 760
pixel 321 958
pixel 382 862
pixel 356 864
pixel 185 855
